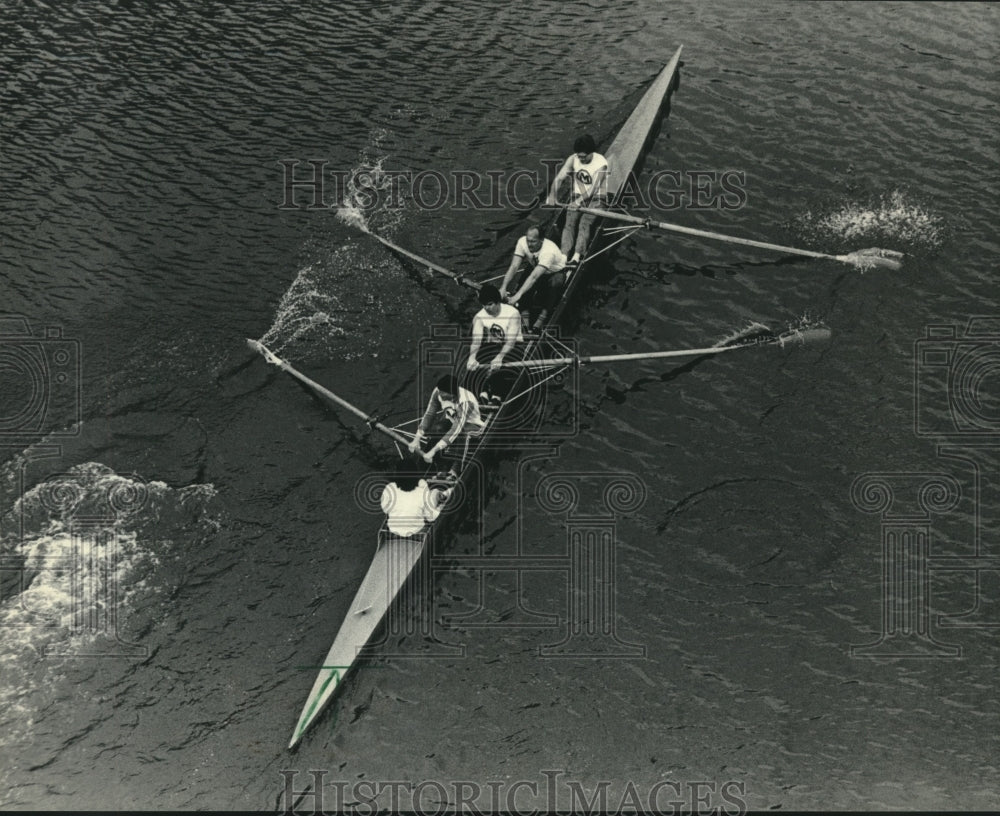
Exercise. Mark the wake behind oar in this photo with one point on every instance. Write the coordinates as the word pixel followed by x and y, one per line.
pixel 757 334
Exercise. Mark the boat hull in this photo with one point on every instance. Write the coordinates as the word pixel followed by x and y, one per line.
pixel 391 566
pixel 395 558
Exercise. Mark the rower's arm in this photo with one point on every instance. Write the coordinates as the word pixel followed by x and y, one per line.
pixel 515 264
pixel 428 418
pixel 563 172
pixel 536 273
pixel 436 500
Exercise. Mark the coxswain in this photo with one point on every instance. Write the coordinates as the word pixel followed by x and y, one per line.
pixel 588 171
pixel 409 502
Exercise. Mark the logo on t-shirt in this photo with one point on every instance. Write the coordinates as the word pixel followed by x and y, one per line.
pixel 497 334
pixel 583 177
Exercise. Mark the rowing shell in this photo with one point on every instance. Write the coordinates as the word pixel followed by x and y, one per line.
pixel 395 557
pixel 394 560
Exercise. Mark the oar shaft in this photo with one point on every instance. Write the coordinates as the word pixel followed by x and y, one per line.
pixel 326 392
pixel 631 219
pixel 617 358
pixel 429 264
pixel 802 335
pixel 654 355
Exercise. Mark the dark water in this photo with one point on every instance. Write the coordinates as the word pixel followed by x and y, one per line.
pixel 140 193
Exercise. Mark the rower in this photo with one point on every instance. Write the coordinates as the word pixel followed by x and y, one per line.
pixel 409 503
pixel 589 173
pixel 452 406
pixel 543 284
pixel 499 325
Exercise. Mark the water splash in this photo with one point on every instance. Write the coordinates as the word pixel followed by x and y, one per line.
pixel 888 218
pixel 372 193
pixel 308 312
pixel 351 301
pixel 750 333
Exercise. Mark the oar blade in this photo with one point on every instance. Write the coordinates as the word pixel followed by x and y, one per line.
pixel 265 352
pixel 874 258
pixel 812 334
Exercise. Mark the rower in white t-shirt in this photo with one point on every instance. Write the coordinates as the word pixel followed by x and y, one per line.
pixel 409 503
pixel 539 291
pixel 496 330
pixel 589 173
pixel 453 410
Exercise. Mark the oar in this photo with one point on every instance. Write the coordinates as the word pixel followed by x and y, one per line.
pixel 793 336
pixel 274 359
pixel 861 258
pixel 461 279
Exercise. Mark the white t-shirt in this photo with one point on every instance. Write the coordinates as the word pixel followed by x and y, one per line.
pixel 549 255
pixel 407 511
pixel 584 175
pixel 500 328
pixel 466 403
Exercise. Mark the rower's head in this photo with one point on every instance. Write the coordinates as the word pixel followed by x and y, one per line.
pixel 407 481
pixel 489 298
pixel 407 474
pixel 533 237
pixel 447 386
pixel 584 148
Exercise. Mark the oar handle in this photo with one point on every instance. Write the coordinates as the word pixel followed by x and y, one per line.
pixel 274 359
pixel 631 219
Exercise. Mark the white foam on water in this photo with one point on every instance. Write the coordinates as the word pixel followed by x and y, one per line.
pixel 85 567
pixel 891 217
